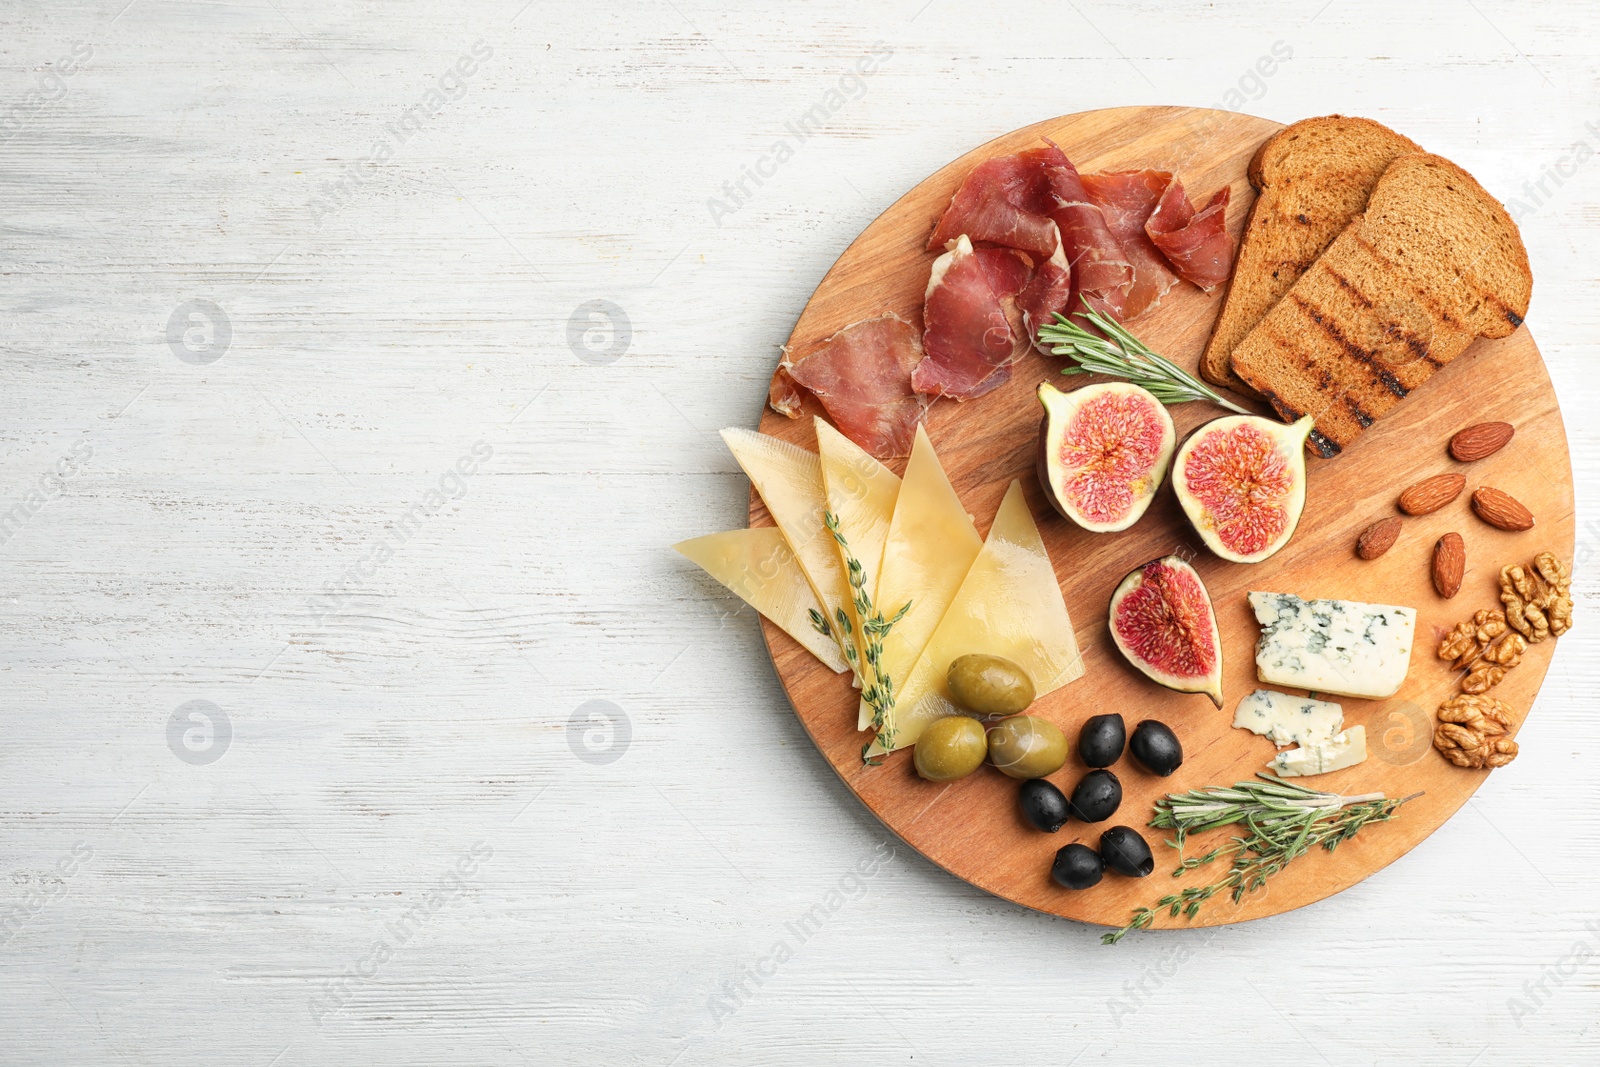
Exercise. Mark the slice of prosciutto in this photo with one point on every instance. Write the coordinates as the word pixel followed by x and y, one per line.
pixel 862 376
pixel 966 335
pixel 783 395
pixel 1101 273
pixel 1127 199
pixel 1197 243
pixel 1035 202
pixel 1045 296
pixel 1004 201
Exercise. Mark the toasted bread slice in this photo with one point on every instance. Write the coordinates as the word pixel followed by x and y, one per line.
pixel 1313 178
pixel 1433 263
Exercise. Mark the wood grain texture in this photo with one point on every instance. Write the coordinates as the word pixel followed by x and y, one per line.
pixel 972 828
pixel 372 348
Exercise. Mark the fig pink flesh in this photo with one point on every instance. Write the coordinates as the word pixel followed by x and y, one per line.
pixel 1243 481
pixel 1111 444
pixel 1166 622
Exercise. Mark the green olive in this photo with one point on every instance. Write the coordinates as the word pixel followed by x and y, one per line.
pixel 1024 746
pixel 950 748
pixel 989 685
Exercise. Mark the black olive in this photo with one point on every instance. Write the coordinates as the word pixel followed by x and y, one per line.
pixel 1097 797
pixel 1043 805
pixel 1157 747
pixel 1077 867
pixel 1101 739
pixel 1126 852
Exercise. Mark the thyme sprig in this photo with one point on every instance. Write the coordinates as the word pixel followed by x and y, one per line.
pixel 1282 822
pixel 877 688
pixel 1122 355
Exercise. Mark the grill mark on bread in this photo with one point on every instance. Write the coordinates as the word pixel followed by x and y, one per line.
pixel 1313 178
pixel 1349 347
pixel 1348 286
pixel 1325 448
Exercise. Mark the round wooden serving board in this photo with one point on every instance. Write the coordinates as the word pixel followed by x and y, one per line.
pixel 972 827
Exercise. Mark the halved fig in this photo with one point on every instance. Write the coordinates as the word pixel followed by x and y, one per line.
pixel 1242 482
pixel 1103 452
pixel 1161 620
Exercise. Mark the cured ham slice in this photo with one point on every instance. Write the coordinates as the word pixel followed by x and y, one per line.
pixel 862 376
pixel 783 395
pixel 966 334
pixel 1101 273
pixel 1197 243
pixel 1127 199
pixel 1046 295
pixel 1004 201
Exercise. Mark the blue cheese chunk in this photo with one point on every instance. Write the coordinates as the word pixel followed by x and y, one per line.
pixel 1333 646
pixel 1344 750
pixel 1289 720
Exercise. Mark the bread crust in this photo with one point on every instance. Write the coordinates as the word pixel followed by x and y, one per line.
pixel 1272 256
pixel 1432 264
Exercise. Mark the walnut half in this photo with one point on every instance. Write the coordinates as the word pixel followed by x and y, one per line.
pixel 1472 732
pixel 1538 599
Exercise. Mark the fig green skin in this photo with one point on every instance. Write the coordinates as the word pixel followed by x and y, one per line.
pixel 1101 740
pixel 1077 867
pixel 1292 438
pixel 1097 797
pixel 950 748
pixel 1125 851
pixel 1156 747
pixel 989 685
pixel 1024 746
pixel 1043 805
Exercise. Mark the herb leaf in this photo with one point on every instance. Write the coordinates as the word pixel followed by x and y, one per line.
pixel 1122 355
pixel 1282 822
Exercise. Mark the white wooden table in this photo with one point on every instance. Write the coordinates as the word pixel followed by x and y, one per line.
pixel 354 708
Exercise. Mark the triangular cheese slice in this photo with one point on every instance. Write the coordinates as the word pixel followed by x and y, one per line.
pixel 930 547
pixel 1009 605
pixel 789 480
pixel 861 492
pixel 759 567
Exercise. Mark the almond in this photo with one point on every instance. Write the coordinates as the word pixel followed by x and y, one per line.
pixel 1431 494
pixel 1449 564
pixel 1501 509
pixel 1378 538
pixel 1484 439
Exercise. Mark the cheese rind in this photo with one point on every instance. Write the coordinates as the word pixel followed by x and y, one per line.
pixel 760 568
pixel 1009 605
pixel 1333 646
pixel 1288 720
pixel 1343 750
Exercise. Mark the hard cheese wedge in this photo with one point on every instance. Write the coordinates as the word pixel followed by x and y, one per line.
pixel 929 549
pixel 758 566
pixel 1333 646
pixel 1009 605
pixel 861 493
pixel 789 480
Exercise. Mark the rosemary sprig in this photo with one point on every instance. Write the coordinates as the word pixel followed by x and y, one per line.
pixel 1122 355
pixel 877 688
pixel 1282 822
